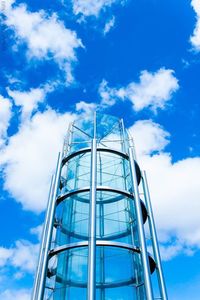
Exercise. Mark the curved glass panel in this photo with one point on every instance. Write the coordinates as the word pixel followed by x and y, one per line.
pixel 108 130
pixel 112 171
pixel 115 218
pixel 72 216
pixel 76 173
pixel 111 282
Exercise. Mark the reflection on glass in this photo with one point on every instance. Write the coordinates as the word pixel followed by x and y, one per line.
pixel 118 274
pixel 118 268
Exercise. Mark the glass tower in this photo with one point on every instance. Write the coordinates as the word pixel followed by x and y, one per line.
pixel 99 222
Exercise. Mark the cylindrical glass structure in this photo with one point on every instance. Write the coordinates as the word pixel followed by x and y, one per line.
pixel 95 250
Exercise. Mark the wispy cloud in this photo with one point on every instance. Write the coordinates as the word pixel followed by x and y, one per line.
pixel 21 294
pixel 175 197
pixel 154 90
pixel 174 249
pixel 46 37
pixel 5 116
pixel 92 7
pixel 195 38
pixel 37 231
pixel 27 100
pixel 30 157
pixel 149 136
pixel 22 257
pixel 109 25
pixel 86 109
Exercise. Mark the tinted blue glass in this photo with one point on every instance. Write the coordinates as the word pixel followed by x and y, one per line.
pixel 118 273
pixel 118 269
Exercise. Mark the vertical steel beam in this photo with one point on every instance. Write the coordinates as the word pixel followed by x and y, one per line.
pixel 92 217
pixel 92 226
pixel 48 229
pixel 144 254
pixel 67 141
pixel 101 231
pixel 123 135
pixel 42 245
pixel 152 227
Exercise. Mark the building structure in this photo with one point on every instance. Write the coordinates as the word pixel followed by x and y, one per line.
pixel 94 243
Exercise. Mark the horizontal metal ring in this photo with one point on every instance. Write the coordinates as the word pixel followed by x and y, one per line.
pixel 98 188
pixel 88 149
pixel 98 243
pixel 103 189
pixel 101 149
pixel 103 243
pixel 107 285
pixel 110 237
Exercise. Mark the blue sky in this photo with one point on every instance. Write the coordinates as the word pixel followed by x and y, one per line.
pixel 135 59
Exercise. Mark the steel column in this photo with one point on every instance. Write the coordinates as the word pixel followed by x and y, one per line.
pixel 154 238
pixel 43 243
pixel 92 226
pixel 144 254
pixel 48 234
pixel 67 141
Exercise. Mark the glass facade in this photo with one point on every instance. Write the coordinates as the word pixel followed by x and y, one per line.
pixel 95 219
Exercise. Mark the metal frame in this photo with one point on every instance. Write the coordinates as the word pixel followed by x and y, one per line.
pixel 59 249
pixel 98 188
pixel 144 255
pixel 88 149
pixel 42 246
pixel 38 292
pixel 100 149
pixel 102 243
pixel 155 246
pixel 102 286
pixel 92 225
pixel 142 214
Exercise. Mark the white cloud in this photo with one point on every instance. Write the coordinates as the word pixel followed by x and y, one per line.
pixel 108 95
pixel 16 262
pixel 37 231
pixel 110 24
pixel 92 7
pixel 22 257
pixel 174 188
pixel 154 90
pixel 86 108
pixel 22 294
pixel 5 116
pixel 28 100
pixel 195 38
pixel 46 36
pixel 18 275
pixel 25 256
pixel 5 254
pixel 149 136
pixel 30 158
pixel 175 196
pixel 168 252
